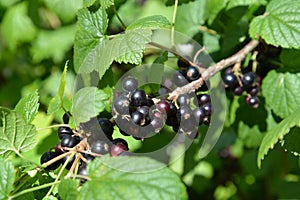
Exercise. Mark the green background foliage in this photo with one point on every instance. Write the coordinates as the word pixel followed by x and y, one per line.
pixel 46 44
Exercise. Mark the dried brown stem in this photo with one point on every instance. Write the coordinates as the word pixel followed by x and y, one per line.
pixel 211 71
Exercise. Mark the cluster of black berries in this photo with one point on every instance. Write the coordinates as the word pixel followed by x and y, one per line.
pixel 247 82
pixel 97 146
pixel 139 115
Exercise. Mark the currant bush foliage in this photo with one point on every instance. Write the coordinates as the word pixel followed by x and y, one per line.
pixel 259 144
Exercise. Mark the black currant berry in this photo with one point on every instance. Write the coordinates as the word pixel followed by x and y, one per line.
pixel 62 131
pixel 183 99
pixel 88 157
pixel 82 171
pixel 203 99
pixel 184 112
pixel 163 106
pixel 254 91
pixel 120 141
pixel 138 118
pixel 182 63
pixel 107 127
pixel 130 84
pixel 157 124
pixel 59 149
pixel 207 109
pixel 69 141
pixel 230 80
pixel 179 79
pixel 252 101
pixel 238 91
pixel 66 117
pixel 118 148
pixel 121 105
pixel 47 156
pixel 192 73
pixel 138 98
pixel 248 79
pixel 99 147
pixel 199 114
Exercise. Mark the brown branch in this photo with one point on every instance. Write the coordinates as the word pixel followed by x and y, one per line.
pixel 212 70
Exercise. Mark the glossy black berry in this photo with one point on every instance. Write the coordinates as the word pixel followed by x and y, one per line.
pixel 69 141
pixel 184 112
pixel 59 149
pixel 82 171
pixel 138 118
pixel 66 117
pixel 172 111
pixel 88 157
pixel 106 126
pixel 100 147
pixel 157 124
pixel 249 79
pixel 192 73
pixel 252 101
pixel 130 84
pixel 47 156
pixel 182 63
pixel 120 141
pixel 207 109
pixel 183 99
pixel 121 105
pixel 62 131
pixel 238 91
pixel 199 114
pixel 163 106
pixel 254 91
pixel 230 80
pixel 138 98
pixel 203 99
pixel 179 79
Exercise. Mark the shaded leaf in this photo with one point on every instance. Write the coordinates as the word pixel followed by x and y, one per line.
pixel 281 92
pixel 53 44
pixel 88 102
pixel 7 177
pixel 276 134
pixel 151 22
pixel 147 179
pixel 16 135
pixel 67 189
pixel 235 3
pixel 17 26
pixel 28 107
pixel 280 25
pixel 57 102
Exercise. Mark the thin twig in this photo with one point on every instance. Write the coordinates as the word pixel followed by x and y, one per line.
pixel 211 71
pixel 173 23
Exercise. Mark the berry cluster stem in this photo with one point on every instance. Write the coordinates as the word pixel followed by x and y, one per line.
pixel 212 70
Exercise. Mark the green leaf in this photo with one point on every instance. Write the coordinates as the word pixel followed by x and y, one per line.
pixel 16 135
pixel 277 133
pixel 67 189
pixel 28 107
pixel 280 25
pixel 57 102
pixel 17 26
pixel 235 3
pixel 292 141
pixel 66 10
pixel 106 3
pixel 90 33
pixel 88 102
pixel 131 45
pixel 53 44
pixel 281 92
pixel 172 2
pixel 189 17
pixel 88 3
pixel 147 179
pixel 151 22
pixel 251 137
pixel 213 9
pixel 128 47
pixel 287 57
pixel 7 177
